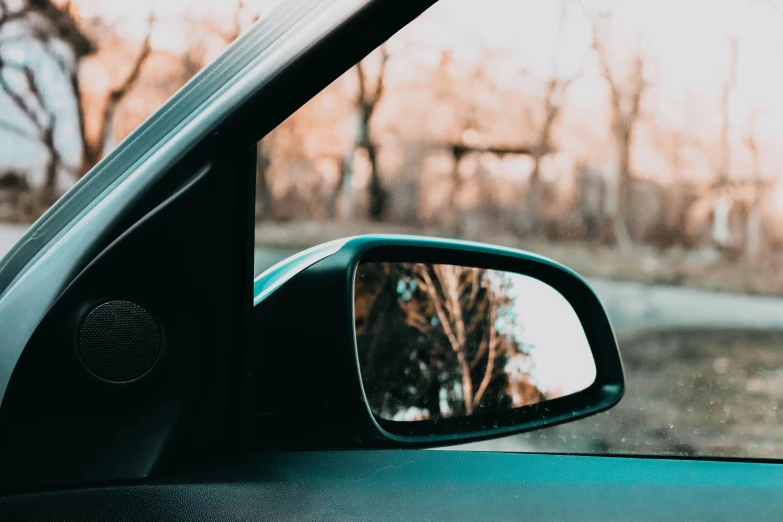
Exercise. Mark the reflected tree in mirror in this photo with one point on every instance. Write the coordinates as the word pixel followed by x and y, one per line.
pixel 444 341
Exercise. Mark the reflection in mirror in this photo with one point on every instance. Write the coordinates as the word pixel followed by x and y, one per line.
pixel 438 341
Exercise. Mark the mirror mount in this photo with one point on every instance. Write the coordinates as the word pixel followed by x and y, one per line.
pixel 303 379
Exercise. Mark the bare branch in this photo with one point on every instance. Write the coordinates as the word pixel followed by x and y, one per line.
pixel 728 90
pixel 556 86
pixel 490 358
pixel 480 352
pixel 457 340
pixel 16 97
pixel 474 288
pixel 380 85
pixel 361 80
pixel 625 99
pixel 118 93
pixel 429 287
pixel 218 30
pixel 19 131
pixel 417 321
pixel 370 97
pixel 606 69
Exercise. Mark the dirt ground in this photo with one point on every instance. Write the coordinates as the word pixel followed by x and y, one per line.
pixel 688 392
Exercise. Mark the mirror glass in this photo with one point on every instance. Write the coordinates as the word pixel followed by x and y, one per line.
pixel 437 341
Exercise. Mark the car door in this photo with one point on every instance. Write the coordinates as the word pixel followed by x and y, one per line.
pixel 161 233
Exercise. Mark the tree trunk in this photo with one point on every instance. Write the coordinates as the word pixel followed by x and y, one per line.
pixel 450 214
pixel 534 198
pixel 344 190
pixel 87 159
pixel 467 383
pixel 721 229
pixel 622 237
pixel 378 198
pixel 378 195
pixel 49 188
pixel 754 237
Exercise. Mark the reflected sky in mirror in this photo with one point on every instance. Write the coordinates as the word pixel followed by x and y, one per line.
pixel 562 357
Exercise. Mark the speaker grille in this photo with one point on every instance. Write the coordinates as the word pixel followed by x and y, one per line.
pixel 119 341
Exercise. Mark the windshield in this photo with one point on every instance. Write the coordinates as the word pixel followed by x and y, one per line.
pixel 637 142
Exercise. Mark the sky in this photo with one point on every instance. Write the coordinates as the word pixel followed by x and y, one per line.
pixel 176 16
pixel 685 45
pixel 686 39
pixel 563 361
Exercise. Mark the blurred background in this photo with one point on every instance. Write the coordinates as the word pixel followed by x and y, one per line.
pixel 639 142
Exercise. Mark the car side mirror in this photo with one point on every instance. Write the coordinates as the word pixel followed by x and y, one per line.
pixel 389 341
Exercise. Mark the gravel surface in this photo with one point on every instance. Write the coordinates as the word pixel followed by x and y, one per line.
pixel 689 392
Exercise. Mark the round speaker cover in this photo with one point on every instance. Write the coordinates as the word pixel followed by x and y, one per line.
pixel 119 341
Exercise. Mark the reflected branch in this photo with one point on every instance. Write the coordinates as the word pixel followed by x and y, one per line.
pixel 447 276
pixel 490 358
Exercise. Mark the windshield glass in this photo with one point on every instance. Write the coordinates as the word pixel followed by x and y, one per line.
pixel 636 142
pixel 80 85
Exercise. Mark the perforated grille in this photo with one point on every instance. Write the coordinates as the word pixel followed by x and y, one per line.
pixel 119 341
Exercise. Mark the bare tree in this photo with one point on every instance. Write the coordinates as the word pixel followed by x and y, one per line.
pixel 49 25
pixel 452 290
pixel 553 102
pixel 39 113
pixel 754 233
pixel 724 163
pixel 367 102
pixel 467 98
pixel 96 148
pixel 625 96
pixel 194 61
pixel 447 306
pixel 721 213
pixel 43 23
pixel 673 144
pixel 235 28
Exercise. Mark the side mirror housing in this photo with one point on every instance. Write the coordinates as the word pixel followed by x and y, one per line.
pixel 391 341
